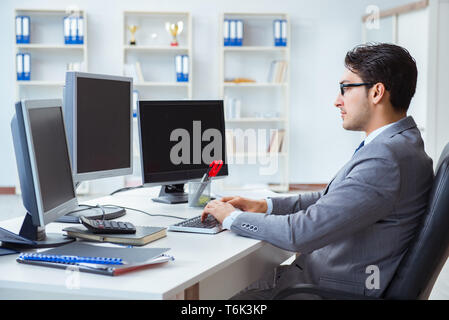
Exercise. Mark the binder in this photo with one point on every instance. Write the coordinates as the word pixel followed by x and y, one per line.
pixel 19 33
pixel 26 66
pixel 232 32
pixel 226 32
pixel 73 30
pixel 66 30
pixel 132 258
pixel 178 68
pixel 135 102
pixel 25 29
pixel 277 25
pixel 80 30
pixel 185 68
pixel 284 33
pixel 239 37
pixel 19 66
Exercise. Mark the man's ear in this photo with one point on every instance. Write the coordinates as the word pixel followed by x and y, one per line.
pixel 378 92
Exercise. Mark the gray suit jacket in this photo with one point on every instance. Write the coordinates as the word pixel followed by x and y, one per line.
pixel 367 216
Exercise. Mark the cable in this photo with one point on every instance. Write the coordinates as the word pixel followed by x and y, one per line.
pixel 125 189
pixel 141 211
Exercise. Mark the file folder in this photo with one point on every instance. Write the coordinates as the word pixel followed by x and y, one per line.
pixel 19 66
pixel 19 29
pixel 277 33
pixel 25 29
pixel 80 31
pixel 232 32
pixel 239 37
pixel 226 32
pixel 73 30
pixel 185 68
pixel 26 66
pixel 179 69
pixel 67 30
pixel 284 33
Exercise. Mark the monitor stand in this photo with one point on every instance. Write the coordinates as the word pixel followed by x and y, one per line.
pixel 33 237
pixel 172 194
pixel 110 212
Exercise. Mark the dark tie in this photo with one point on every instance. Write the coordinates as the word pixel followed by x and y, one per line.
pixel 360 147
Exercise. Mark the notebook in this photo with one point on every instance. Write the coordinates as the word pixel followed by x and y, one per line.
pixel 143 235
pixel 91 258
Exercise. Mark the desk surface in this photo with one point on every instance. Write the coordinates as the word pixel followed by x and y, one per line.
pixel 199 258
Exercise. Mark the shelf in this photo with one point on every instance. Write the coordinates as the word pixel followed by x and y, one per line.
pixel 50 46
pixel 40 83
pixel 253 85
pixel 243 120
pixel 255 48
pixel 155 48
pixel 161 84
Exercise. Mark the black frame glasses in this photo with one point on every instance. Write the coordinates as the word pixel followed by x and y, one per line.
pixel 350 85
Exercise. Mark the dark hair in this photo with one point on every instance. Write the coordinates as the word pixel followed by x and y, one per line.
pixel 388 64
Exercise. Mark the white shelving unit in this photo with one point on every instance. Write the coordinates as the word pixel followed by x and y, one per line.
pixel 264 105
pixel 156 57
pixel 49 55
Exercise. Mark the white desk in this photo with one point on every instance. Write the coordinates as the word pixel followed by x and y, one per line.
pixel 206 267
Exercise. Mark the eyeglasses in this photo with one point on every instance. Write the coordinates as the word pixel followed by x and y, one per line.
pixel 349 85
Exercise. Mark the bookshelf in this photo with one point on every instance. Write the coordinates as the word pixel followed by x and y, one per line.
pixel 50 56
pixel 263 103
pixel 153 58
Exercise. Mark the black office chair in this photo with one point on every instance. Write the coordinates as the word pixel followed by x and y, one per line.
pixel 418 271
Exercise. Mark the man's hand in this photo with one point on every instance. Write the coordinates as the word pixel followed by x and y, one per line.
pixel 219 209
pixel 247 205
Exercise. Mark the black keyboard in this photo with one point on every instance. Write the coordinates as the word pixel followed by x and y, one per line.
pixel 194 225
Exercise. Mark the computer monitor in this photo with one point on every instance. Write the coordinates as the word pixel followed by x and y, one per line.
pixel 99 115
pixel 178 141
pixel 43 163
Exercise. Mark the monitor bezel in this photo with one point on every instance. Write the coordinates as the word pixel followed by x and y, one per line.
pixel 45 217
pixel 224 170
pixel 80 177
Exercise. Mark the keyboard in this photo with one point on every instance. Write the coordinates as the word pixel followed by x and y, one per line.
pixel 194 225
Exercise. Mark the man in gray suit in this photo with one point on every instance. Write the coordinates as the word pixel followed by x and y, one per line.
pixel 352 235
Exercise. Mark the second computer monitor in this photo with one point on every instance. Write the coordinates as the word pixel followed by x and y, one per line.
pixel 98 112
pixel 179 140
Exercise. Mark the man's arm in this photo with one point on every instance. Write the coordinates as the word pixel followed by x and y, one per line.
pixel 366 196
pixel 288 205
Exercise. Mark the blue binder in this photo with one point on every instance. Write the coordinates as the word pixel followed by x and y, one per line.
pixel 239 33
pixel 277 25
pixel 26 66
pixel 19 66
pixel 284 33
pixel 185 68
pixel 232 32
pixel 178 68
pixel 66 24
pixel 226 32
pixel 80 30
pixel 19 31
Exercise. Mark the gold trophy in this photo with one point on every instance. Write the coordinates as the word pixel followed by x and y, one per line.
pixel 133 28
pixel 175 29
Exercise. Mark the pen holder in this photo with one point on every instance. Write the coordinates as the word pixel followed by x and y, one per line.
pixel 199 194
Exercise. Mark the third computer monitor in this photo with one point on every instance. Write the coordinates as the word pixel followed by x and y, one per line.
pixel 179 140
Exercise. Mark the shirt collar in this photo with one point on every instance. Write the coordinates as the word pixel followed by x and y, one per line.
pixel 376 132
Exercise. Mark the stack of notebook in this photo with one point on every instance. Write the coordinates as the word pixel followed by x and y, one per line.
pixel 112 261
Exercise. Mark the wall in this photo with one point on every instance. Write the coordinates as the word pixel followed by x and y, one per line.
pixel 322 32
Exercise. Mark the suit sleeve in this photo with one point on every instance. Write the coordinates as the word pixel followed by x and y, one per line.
pixel 288 205
pixel 365 196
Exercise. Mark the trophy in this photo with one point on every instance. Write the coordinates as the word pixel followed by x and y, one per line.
pixel 133 28
pixel 175 29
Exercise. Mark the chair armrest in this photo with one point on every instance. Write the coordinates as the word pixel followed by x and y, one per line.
pixel 325 293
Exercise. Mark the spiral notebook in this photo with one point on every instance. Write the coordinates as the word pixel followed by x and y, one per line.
pixel 112 261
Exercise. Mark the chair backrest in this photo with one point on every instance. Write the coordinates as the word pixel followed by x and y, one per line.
pixel 417 273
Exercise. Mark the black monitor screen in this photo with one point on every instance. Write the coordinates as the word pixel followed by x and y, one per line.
pixel 52 157
pixel 103 125
pixel 181 138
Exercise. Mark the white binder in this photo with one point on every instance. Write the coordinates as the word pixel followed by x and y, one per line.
pixel 232 32
pixel 185 68
pixel 25 29
pixel 73 29
pixel 26 66
pixel 80 33
pixel 239 38
pixel 178 67
pixel 19 66
pixel 226 32
pixel 67 30
pixel 284 32
pixel 19 29
pixel 277 32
